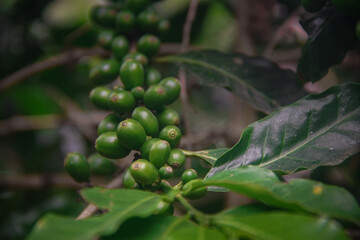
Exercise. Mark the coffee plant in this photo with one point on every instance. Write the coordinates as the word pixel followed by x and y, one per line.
pixel 298 131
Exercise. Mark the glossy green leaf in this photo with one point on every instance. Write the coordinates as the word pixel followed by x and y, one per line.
pixel 256 80
pixel 300 194
pixel 322 129
pixel 331 35
pixel 121 204
pixel 279 225
pixel 196 232
pixel 160 227
pixel 210 155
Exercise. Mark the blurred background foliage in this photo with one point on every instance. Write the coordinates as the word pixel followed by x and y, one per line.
pixel 36 127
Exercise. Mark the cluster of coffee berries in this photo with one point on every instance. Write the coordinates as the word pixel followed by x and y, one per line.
pixel 138 97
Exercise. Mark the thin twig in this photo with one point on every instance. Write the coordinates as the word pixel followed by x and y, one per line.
pixel 185 43
pixel 91 208
pixel 55 61
pixel 38 122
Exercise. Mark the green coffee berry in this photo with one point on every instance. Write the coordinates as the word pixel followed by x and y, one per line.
pixel 146 147
pixel 155 97
pixel 131 74
pixel 148 45
pixel 172 87
pixel 109 123
pixel 99 97
pixel 144 172
pixel 128 180
pixel 147 21
pixel 137 56
pixel 147 119
pixel 168 116
pixel 108 145
pixel 77 166
pixel 163 26
pixel 171 134
pixel 105 72
pixel 138 93
pixel 103 16
pixel 105 38
pixel 120 47
pixel 131 134
pixel 176 158
pixel 125 21
pixel 159 153
pixel 197 193
pixel 188 175
pixel 101 166
pixel 121 101
pixel 164 208
pixel 166 172
pixel 152 76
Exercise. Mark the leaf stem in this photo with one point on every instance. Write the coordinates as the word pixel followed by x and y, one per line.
pixel 199 216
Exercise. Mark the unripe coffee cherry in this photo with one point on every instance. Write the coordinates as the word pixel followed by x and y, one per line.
pixel 108 145
pixel 131 134
pixel 171 134
pixel 120 47
pixel 148 45
pixel 163 26
pixel 138 93
pixel 146 147
pixel 164 208
pixel 105 38
pixel 147 21
pixel 155 97
pixel 197 193
pixel 101 166
pixel 176 158
pixel 137 56
pixel 109 123
pixel 188 175
pixel 121 101
pixel 125 21
pixel 105 72
pixel 152 76
pixel 168 116
pixel 103 16
pixel 159 153
pixel 128 180
pixel 77 166
pixel 144 172
pixel 147 119
pixel 99 97
pixel 131 74
pixel 166 172
pixel 172 87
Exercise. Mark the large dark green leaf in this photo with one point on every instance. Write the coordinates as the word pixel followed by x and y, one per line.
pixel 279 225
pixel 321 129
pixel 256 80
pixel 331 35
pixel 164 228
pixel 121 204
pixel 210 155
pixel 300 194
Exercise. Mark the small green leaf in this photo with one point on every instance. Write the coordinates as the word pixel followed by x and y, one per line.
pixel 300 194
pixel 279 225
pixel 256 80
pixel 210 155
pixel 121 204
pixel 322 129
pixel 331 35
